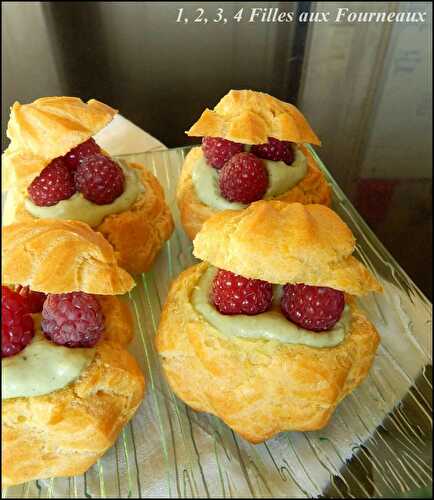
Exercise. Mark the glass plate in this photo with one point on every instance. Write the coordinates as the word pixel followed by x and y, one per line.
pixel 378 442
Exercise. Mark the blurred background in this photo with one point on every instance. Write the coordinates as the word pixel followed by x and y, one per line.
pixel 365 88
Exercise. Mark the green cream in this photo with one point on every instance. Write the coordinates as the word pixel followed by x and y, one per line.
pixel 78 208
pixel 270 325
pixel 42 367
pixel 281 177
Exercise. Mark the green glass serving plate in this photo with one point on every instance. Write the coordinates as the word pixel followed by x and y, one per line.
pixel 378 443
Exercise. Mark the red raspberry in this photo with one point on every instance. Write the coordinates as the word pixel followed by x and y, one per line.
pixel 234 294
pixel 53 184
pixel 17 323
pixel 100 179
pixel 72 319
pixel 316 308
pixel 243 178
pixel 34 300
pixel 218 151
pixel 83 150
pixel 274 150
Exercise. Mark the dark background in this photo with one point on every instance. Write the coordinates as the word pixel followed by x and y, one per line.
pixel 158 73
pixel 366 90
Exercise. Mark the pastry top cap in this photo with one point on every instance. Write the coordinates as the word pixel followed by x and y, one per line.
pixel 60 256
pixel 284 243
pixel 46 129
pixel 251 117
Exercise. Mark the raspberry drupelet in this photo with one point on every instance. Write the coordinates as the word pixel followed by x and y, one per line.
pixel 55 183
pixel 99 179
pixel 274 150
pixel 17 323
pixel 72 319
pixel 234 294
pixel 34 300
pixel 218 151
pixel 243 179
pixel 80 152
pixel 84 169
pixel 315 308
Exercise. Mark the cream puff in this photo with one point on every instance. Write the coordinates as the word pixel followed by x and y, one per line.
pixel 252 149
pixel 68 383
pixel 54 169
pixel 265 333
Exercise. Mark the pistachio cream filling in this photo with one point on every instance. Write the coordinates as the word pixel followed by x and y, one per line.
pixel 78 208
pixel 42 366
pixel 270 325
pixel 281 178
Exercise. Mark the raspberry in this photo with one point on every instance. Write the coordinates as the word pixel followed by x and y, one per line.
pixel 100 179
pixel 218 151
pixel 72 319
pixel 17 323
pixel 274 150
pixel 234 294
pixel 53 184
pixel 315 308
pixel 34 300
pixel 243 178
pixel 83 150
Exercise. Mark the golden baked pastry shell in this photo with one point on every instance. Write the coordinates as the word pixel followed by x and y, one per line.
pixel 45 129
pixel 313 188
pixel 258 388
pixel 283 243
pixel 252 117
pixel 136 234
pixel 66 432
pixel 57 256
